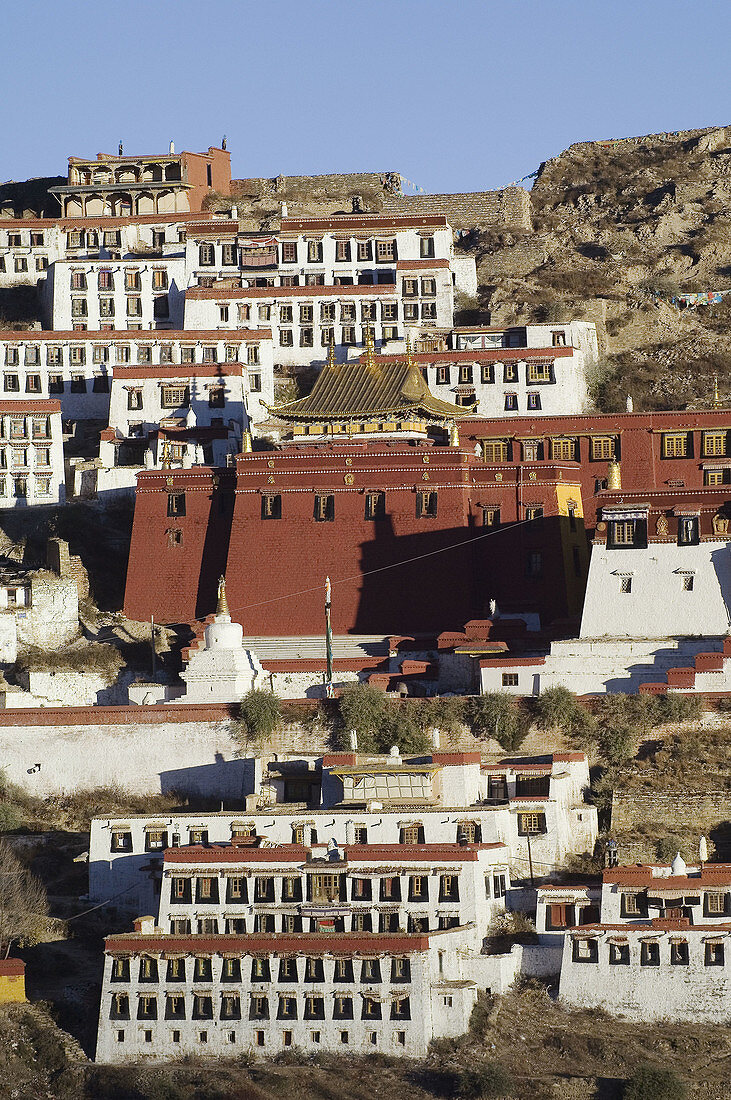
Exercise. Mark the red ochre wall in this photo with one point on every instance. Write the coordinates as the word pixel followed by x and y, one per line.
pixel 195 173
pixel 403 573
pixel 643 467
pixel 177 581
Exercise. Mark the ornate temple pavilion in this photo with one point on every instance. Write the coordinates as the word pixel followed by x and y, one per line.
pixel 368 398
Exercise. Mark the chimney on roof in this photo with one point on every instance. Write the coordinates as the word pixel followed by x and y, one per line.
pixel 146 925
pixel 172 147
pixel 121 149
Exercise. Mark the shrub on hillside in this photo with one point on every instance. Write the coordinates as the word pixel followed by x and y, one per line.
pixel 650 1082
pixel 668 846
pixel 557 707
pixel 380 722
pixel 362 708
pixel 260 714
pixel 616 744
pixel 679 708
pixel 496 715
pixel 444 712
pixel 488 1080
pixel 636 712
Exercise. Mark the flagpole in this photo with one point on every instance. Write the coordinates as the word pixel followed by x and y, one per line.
pixel 329 690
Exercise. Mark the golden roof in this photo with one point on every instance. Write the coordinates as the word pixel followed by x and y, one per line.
pixel 371 389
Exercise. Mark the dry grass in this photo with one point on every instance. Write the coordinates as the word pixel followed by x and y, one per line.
pixel 95 657
pixel 547 1050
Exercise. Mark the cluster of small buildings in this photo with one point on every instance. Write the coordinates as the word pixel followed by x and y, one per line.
pixel 362 902
pixel 347 907
pixel 167 324
pixel 478 530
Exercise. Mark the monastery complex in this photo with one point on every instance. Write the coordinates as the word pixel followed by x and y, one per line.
pixel 335 483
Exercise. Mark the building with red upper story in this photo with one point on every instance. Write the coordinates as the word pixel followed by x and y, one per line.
pixel 415 538
pixel 415 535
pixel 126 185
pixel 669 451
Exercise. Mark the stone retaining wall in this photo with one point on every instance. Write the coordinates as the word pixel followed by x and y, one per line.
pixel 509 209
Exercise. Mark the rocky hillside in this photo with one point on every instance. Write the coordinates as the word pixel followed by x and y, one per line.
pixel 619 229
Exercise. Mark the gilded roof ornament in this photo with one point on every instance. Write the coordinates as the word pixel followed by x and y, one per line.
pixel 222 604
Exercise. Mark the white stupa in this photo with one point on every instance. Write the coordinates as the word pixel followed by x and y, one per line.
pixel 222 671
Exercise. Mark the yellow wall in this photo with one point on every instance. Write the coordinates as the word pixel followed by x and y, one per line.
pixel 12 988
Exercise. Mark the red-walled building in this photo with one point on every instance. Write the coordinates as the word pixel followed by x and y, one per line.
pixel 662 450
pixel 415 538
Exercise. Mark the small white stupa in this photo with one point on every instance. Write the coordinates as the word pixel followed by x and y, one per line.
pixel 222 671
pixel 678 866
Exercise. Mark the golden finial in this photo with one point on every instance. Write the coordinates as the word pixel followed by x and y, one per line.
pixel 409 354
pixel 614 474
pixel 331 363
pixel 716 398
pixel 454 435
pixel 165 454
pixel 247 446
pixel 370 349
pixel 222 605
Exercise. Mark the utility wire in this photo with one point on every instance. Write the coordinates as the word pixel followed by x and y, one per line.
pixel 393 565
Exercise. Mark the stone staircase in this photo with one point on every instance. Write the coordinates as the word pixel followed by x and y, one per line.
pixel 710 673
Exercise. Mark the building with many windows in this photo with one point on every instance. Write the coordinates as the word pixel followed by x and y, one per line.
pixel 242 887
pixel 529 811
pixel 31 453
pixel 660 948
pixel 682 451
pixel 132 294
pixel 165 996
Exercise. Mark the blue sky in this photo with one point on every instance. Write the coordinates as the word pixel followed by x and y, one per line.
pixel 455 94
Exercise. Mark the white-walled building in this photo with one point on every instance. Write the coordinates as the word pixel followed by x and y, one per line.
pixel 28 247
pixel 661 948
pixel 31 453
pixel 660 568
pixel 77 368
pixel 304 320
pixel 536 807
pixel 132 294
pixel 167 996
pixel 243 887
pixel 37 608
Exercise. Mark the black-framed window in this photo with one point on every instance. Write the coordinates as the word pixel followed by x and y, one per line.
pixel 688 530
pixel 627 534
pixel 426 504
pixel 324 507
pixel 650 953
pixel 375 505
pixel 176 504
pixel 271 506
pixel 585 951
pixel 679 954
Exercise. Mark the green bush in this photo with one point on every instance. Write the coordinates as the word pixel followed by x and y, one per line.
pixel 616 744
pixel 667 847
pixel 559 707
pixel 362 708
pixel 679 708
pixel 496 715
pixel 380 722
pixel 650 1082
pixel 636 712
pixel 447 713
pixel 489 1080
pixel 260 713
